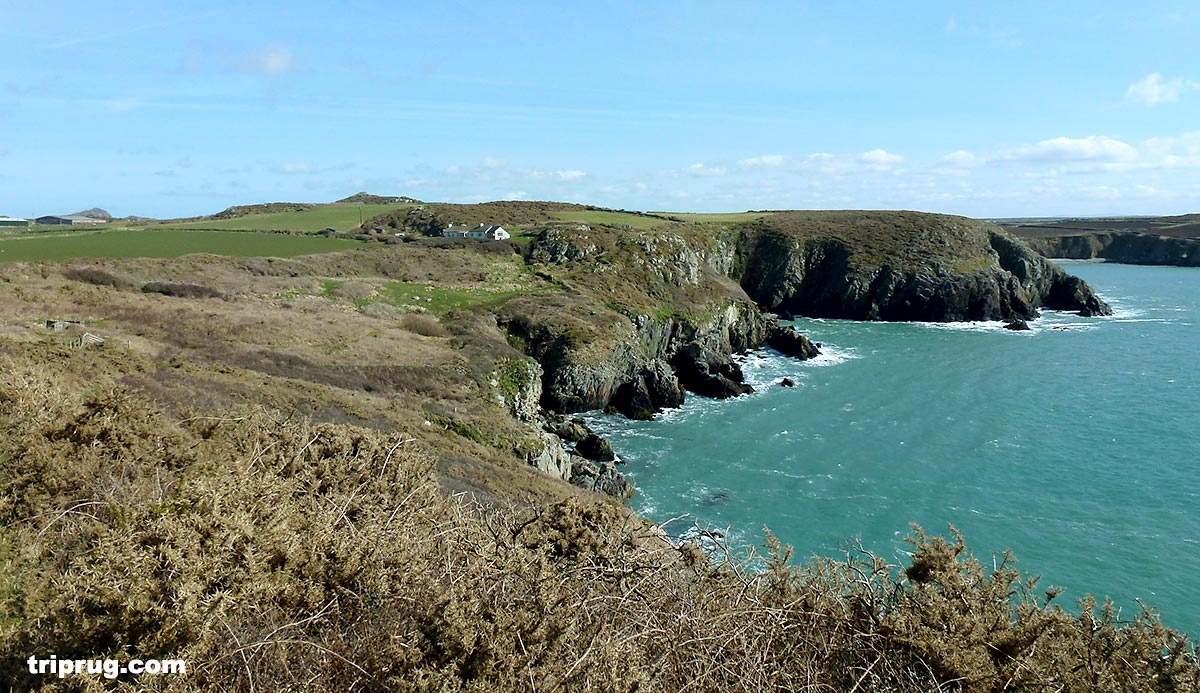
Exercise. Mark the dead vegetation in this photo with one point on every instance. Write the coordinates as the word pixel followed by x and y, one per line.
pixel 293 493
pixel 275 554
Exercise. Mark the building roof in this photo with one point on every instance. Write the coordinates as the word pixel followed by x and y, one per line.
pixel 4 218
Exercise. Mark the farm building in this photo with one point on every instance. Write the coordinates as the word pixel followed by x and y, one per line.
pixel 13 221
pixel 67 220
pixel 480 232
pixel 491 233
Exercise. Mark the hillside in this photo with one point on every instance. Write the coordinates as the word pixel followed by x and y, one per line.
pixel 1134 240
pixel 348 470
pixel 366 198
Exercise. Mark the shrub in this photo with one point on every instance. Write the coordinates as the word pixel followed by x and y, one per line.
pixel 273 554
pixel 180 290
pixel 97 277
pixel 424 325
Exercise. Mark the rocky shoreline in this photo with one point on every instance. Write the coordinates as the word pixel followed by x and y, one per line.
pixel 1124 247
pixel 691 302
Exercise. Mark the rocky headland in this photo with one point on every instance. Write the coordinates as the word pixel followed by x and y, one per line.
pixel 1134 241
pixel 647 315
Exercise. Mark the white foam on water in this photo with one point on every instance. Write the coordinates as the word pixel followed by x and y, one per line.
pixel 967 326
pixel 832 355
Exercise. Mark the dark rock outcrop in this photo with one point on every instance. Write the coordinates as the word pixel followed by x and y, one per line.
pixel 653 389
pixel 1017 326
pixel 789 342
pixel 635 364
pixel 787 382
pixel 900 266
pixel 571 430
pixel 1045 282
pixel 709 373
pixel 603 478
pixel 595 448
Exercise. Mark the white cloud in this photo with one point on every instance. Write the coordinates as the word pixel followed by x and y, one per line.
pixel 766 161
pixel 518 195
pixel 962 159
pixel 271 60
pixel 704 170
pixel 1153 89
pixel 492 162
pixel 1094 149
pixel 880 159
pixel 569 175
pixel 297 168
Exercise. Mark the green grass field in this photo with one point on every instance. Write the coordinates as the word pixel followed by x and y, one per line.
pixel 439 299
pixel 163 243
pixel 341 217
pixel 587 216
pixel 729 218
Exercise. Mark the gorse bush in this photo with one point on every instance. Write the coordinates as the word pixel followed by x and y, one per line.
pixel 275 554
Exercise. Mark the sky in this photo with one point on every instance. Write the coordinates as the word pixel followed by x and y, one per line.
pixel 985 109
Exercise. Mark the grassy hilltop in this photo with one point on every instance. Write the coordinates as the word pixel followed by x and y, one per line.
pixel 333 471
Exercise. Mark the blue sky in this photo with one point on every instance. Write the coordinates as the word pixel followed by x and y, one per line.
pixel 984 109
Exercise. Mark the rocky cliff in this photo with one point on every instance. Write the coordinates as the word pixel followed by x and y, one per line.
pixel 646 314
pixel 1129 248
pixel 900 266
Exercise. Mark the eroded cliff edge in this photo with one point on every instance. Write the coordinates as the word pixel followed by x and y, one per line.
pixel 646 314
pixel 901 266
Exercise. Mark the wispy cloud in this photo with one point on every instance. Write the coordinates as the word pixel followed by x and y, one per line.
pixel 1005 38
pixel 699 169
pixel 1154 89
pixel 271 60
pixel 765 161
pixel 825 163
pixel 268 60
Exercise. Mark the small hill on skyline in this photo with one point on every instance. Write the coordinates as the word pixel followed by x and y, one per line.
pixel 366 198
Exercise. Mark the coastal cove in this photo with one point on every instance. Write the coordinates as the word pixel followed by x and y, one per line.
pixel 1069 444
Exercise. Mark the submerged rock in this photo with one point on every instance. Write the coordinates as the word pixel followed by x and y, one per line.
pixel 1017 325
pixel 787 382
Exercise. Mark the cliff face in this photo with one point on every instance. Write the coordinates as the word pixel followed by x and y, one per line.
pixel 644 316
pixel 1129 248
pixel 900 266
pixel 641 363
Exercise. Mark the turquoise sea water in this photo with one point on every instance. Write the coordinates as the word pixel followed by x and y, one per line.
pixel 1075 445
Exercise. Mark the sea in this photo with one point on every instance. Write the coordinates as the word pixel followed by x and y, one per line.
pixel 1075 445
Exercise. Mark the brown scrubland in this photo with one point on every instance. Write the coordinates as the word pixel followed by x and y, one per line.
pixel 296 488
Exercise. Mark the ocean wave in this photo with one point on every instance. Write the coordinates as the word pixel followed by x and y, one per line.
pixel 966 326
pixel 832 355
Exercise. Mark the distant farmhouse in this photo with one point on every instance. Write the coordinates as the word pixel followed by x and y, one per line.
pixel 67 220
pixel 480 232
pixel 13 221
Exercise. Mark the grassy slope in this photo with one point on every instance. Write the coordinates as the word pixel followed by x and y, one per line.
pixel 161 243
pixel 342 217
pixel 720 218
pixel 1186 226
pixel 591 216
